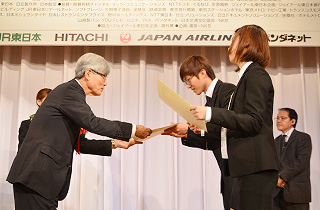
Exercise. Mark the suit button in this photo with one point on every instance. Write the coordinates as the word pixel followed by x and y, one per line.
pixel 69 166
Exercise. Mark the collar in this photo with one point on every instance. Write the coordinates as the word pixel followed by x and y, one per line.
pixel 79 83
pixel 288 133
pixel 211 87
pixel 243 69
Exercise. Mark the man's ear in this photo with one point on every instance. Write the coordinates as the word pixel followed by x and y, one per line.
pixel 203 73
pixel 87 73
pixel 293 121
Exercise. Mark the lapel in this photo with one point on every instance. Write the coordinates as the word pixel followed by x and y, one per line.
pixel 213 100
pixel 278 145
pixel 251 66
pixel 291 139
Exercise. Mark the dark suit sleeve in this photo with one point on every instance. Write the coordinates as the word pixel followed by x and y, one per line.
pixel 302 158
pixel 92 146
pixel 74 106
pixel 198 141
pixel 257 88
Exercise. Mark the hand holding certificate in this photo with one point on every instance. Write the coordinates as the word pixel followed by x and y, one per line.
pixel 179 105
pixel 155 132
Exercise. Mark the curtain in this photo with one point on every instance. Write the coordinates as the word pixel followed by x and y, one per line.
pixel 160 174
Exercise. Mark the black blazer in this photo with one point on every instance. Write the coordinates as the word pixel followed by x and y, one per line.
pixel 249 121
pixel 220 98
pixel 295 167
pixel 24 127
pixel 44 160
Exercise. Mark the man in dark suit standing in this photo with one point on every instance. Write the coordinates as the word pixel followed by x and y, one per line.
pixel 196 72
pixel 294 151
pixel 41 171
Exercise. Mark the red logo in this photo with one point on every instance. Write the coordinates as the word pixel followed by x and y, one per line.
pixel 125 37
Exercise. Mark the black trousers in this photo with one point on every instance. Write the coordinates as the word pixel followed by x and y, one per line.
pixel 27 199
pixel 280 204
pixel 254 191
pixel 226 190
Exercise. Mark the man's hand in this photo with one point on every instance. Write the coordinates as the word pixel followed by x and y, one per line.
pixel 199 112
pixel 125 144
pixel 142 132
pixel 179 131
pixel 194 128
pixel 281 183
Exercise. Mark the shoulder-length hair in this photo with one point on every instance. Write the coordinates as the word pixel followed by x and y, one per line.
pixel 253 45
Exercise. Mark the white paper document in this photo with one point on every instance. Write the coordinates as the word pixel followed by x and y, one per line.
pixel 179 105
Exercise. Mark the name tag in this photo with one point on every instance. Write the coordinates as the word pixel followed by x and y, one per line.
pixel 224 151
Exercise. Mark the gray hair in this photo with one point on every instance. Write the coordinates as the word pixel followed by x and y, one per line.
pixel 91 61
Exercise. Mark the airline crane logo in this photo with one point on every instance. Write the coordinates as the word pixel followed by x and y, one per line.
pixel 125 37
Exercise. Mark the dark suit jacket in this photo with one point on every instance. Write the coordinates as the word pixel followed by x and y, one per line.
pixel 24 127
pixel 249 121
pixel 44 160
pixel 220 98
pixel 295 167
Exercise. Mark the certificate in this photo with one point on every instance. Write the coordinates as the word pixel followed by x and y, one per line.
pixel 179 105
pixel 155 132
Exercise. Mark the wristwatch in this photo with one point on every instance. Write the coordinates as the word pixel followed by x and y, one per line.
pixel 113 143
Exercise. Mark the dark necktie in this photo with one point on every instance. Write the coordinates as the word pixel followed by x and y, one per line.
pixel 208 100
pixel 283 142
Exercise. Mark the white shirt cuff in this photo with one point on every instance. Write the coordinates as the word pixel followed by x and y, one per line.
pixel 133 133
pixel 203 133
pixel 208 114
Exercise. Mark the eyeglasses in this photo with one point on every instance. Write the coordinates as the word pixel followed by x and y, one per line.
pixel 102 75
pixel 187 82
pixel 281 118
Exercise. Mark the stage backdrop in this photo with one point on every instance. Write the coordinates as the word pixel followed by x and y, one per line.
pixel 161 174
pixel 156 22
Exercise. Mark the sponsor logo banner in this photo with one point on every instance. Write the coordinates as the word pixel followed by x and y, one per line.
pixel 156 23
pixel 151 38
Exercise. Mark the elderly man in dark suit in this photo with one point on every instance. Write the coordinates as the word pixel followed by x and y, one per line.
pixel 41 171
pixel 294 151
pixel 198 75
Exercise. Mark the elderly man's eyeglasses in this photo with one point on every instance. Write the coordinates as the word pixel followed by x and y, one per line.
pixel 102 75
pixel 187 81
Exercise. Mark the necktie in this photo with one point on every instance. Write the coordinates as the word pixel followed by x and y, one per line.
pixel 207 100
pixel 283 142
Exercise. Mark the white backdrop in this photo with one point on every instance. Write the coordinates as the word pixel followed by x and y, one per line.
pixel 161 174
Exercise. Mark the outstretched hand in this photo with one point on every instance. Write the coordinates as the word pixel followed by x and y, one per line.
pixel 179 131
pixel 194 128
pixel 125 144
pixel 142 132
